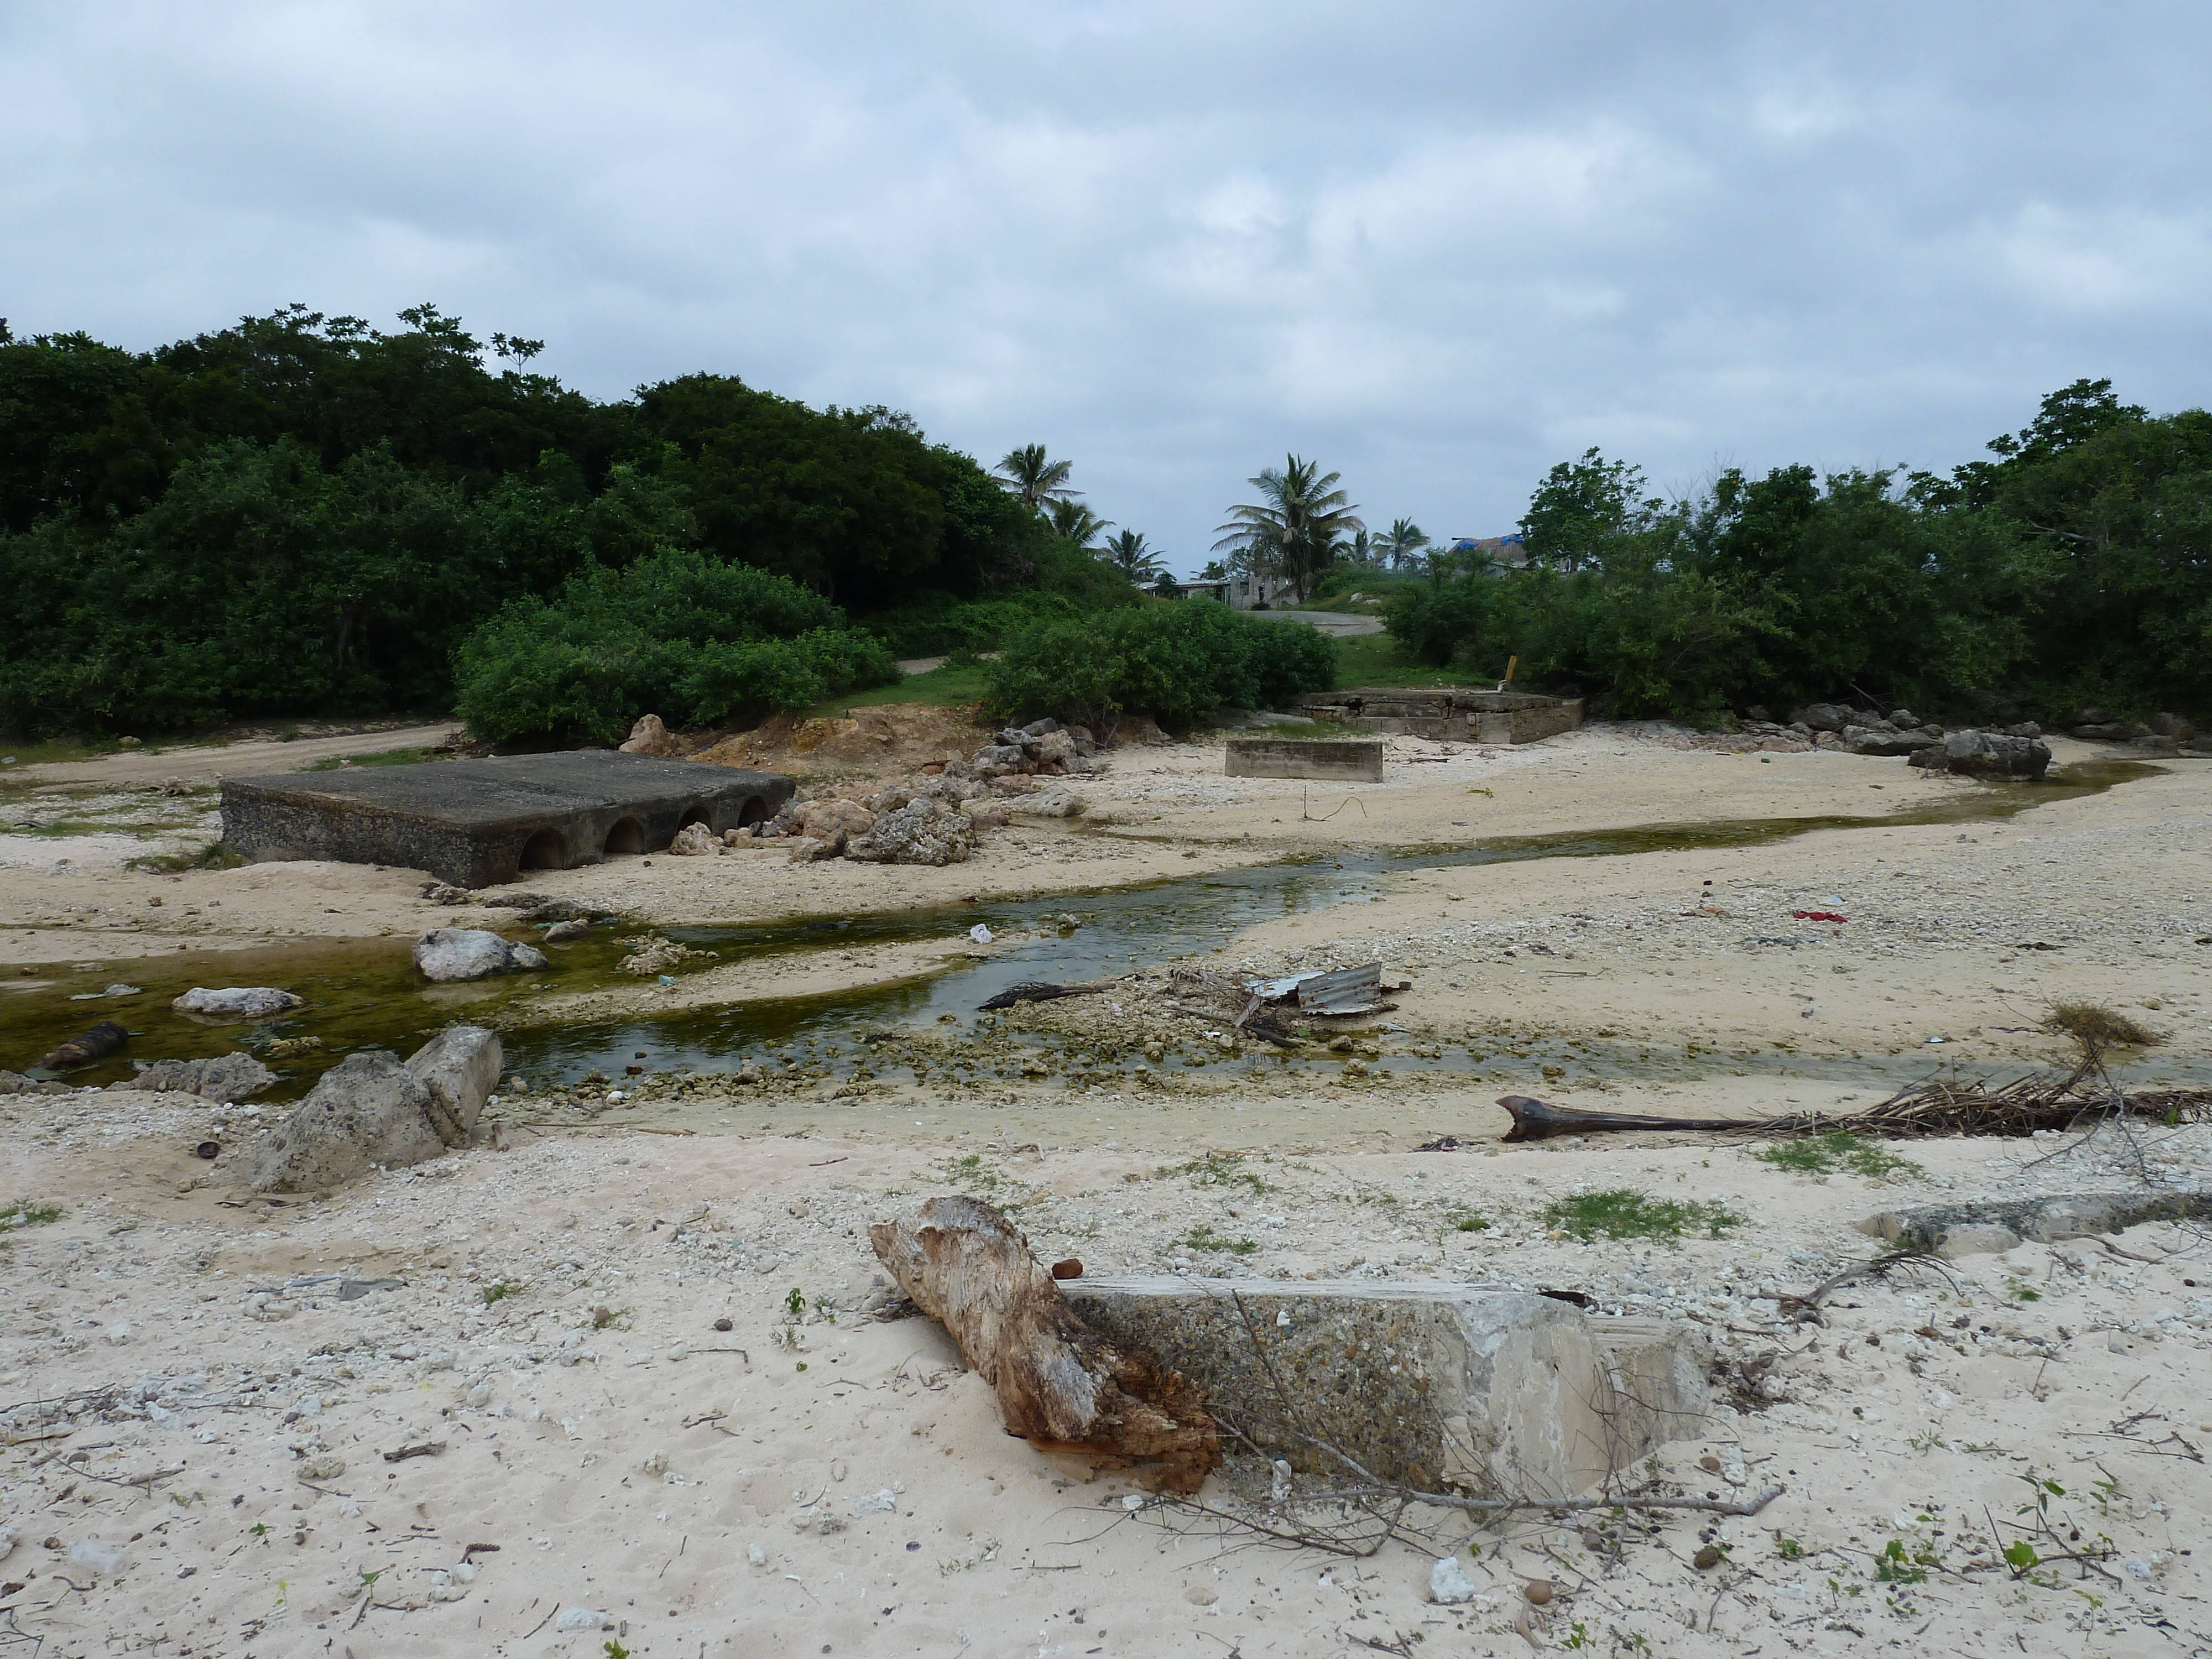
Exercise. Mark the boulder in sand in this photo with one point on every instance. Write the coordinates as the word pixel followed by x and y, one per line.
pixel 1987 754
pixel 923 831
pixel 238 1002
pixel 459 953
pixel 370 1111
pixel 696 840
pixel 649 737
pixel 225 1077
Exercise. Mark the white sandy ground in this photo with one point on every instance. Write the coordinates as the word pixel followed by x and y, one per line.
pixel 616 1475
pixel 149 1288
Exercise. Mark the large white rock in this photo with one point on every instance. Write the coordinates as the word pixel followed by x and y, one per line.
pixel 238 1001
pixel 459 953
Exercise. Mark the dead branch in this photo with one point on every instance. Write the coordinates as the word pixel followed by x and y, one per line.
pixel 1060 1385
pixel 1037 990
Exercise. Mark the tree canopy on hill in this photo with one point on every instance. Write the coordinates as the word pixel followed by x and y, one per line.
pixel 304 513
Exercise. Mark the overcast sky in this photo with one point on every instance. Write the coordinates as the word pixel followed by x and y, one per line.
pixel 1438 247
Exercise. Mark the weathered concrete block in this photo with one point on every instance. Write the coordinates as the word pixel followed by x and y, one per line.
pixel 367 1110
pixel 477 824
pixel 1531 723
pixel 1357 760
pixel 1978 1226
pixel 1488 1390
pixel 1449 716
pixel 460 1067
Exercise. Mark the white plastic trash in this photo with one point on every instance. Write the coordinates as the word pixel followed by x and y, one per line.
pixel 981 934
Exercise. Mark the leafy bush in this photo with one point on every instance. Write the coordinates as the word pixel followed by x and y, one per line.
pixel 1173 661
pixel 680 632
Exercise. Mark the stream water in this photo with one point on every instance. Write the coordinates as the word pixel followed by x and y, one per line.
pixel 365 993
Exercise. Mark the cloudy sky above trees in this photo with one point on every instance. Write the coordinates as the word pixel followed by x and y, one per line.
pixel 1438 245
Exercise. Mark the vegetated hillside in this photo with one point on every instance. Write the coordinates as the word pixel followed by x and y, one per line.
pixel 307 514
pixel 2075 568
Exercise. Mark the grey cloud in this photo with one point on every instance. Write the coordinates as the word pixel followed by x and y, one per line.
pixel 1438 245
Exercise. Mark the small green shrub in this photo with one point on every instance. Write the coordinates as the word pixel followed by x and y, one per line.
pixel 681 633
pixel 1624 1213
pixel 1839 1149
pixel 499 1289
pixel 1173 661
pixel 25 1213
pixel 1203 1237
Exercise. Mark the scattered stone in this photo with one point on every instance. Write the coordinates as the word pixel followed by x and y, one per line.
pixel 444 892
pixel 570 1619
pixel 1884 740
pixel 1449 1585
pixel 328 1466
pixel 226 1077
pixel 1539 1592
pixel 575 928
pixel 447 954
pixel 651 954
pixel 238 1002
pixel 1707 1558
pixel 1821 717
pixel 1987 754
pixel 107 1559
pixel 649 736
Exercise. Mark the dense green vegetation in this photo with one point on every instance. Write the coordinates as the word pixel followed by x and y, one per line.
pixel 1174 662
pixel 2075 568
pixel 303 514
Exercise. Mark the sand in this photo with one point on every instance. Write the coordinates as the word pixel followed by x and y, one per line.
pixel 891 1514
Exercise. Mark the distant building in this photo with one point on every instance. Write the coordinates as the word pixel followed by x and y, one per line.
pixel 1241 592
pixel 1505 552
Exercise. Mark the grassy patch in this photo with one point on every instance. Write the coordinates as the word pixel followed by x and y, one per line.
pixel 1460 1219
pixel 24 1213
pixel 1203 1237
pixel 1837 1152
pixel 214 856
pixel 1374 659
pixel 1624 1213
pixel 947 687
pixel 1218 1169
pixel 2097 1027
pixel 382 757
pixel 970 1172
pixel 499 1289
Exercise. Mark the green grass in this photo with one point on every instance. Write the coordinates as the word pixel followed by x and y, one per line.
pixel 1375 660
pixel 946 687
pixel 1837 1152
pixel 24 1213
pixel 214 856
pixel 1460 1219
pixel 1218 1169
pixel 500 1290
pixel 1203 1237
pixel 1624 1213
pixel 383 757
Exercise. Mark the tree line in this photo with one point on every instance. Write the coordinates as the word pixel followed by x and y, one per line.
pixel 304 513
pixel 2072 568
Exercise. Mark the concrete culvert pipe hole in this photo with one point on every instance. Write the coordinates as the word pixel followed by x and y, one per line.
pixel 627 836
pixel 544 851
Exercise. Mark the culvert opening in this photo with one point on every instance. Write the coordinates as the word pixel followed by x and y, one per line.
pixel 627 836
pixel 544 851
pixel 755 810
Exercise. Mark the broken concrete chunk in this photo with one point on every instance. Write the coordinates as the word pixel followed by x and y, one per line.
pixel 368 1111
pixel 460 1067
pixel 226 1077
pixel 1495 1390
pixel 446 954
pixel 238 1002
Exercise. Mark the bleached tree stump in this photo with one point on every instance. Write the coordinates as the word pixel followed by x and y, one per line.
pixel 1062 1386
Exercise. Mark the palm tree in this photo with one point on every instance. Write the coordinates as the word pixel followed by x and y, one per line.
pixel 1361 549
pixel 1297 524
pixel 1035 479
pixel 1076 521
pixel 1402 542
pixel 1128 554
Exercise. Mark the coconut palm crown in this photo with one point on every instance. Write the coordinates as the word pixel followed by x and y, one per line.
pixel 1295 527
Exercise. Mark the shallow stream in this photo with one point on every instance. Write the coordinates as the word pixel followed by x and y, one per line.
pixel 365 993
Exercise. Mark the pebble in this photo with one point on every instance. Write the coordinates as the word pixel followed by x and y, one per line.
pixel 1449 1585
pixel 580 1618
pixel 757 1555
pixel 1707 1558
pixel 1538 1590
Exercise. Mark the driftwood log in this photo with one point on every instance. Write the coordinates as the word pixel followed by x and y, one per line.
pixel 97 1043
pixel 1534 1120
pixel 1062 1386
pixel 1037 990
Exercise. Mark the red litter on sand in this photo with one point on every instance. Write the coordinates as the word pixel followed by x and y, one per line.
pixel 1818 915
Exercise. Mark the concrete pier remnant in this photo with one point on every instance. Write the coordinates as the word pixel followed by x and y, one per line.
pixel 480 823
pixel 1356 760
pixel 1495 1392
pixel 1448 716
